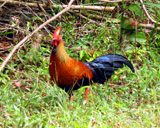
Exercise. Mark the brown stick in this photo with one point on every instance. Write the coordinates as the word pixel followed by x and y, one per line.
pixel 30 34
pixel 146 12
pixel 116 1
pixel 76 7
pixel 148 26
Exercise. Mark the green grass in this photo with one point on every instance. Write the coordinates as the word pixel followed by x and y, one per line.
pixel 27 98
pixel 127 100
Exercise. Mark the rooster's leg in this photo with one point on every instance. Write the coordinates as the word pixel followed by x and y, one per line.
pixel 86 95
pixel 72 98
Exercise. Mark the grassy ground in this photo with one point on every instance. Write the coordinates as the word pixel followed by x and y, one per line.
pixel 27 99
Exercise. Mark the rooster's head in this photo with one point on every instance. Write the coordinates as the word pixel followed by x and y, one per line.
pixel 57 37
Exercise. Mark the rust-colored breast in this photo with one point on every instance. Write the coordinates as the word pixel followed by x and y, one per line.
pixel 67 74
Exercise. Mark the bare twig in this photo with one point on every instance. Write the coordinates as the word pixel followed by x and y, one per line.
pixel 96 3
pixel 3 4
pixel 115 1
pixel 148 26
pixel 20 11
pixel 43 10
pixel 37 17
pixel 146 12
pixel 30 34
pixel 76 7
pixel 98 8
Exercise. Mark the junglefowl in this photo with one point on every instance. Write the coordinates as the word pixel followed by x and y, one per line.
pixel 70 74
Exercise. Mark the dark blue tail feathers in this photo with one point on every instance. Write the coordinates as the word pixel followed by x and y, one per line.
pixel 103 67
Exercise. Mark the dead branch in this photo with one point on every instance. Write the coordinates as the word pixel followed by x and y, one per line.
pixel 43 10
pixel 74 7
pixel 116 1
pixel 31 34
pixel 146 12
pixel 148 26
pixel 4 2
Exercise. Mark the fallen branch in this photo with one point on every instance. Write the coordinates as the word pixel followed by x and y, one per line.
pixel 74 7
pixel 116 1
pixel 148 26
pixel 31 34
pixel 4 2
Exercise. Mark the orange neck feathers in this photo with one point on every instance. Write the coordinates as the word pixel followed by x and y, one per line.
pixel 61 53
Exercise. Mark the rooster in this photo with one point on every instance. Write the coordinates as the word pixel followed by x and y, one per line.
pixel 70 74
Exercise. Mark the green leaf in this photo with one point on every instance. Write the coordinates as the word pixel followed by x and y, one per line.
pixel 139 38
pixel 152 4
pixel 82 53
pixel 135 8
pixel 6 33
pixel 28 24
pixel 50 35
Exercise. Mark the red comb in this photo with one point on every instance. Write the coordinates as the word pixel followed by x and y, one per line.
pixel 57 31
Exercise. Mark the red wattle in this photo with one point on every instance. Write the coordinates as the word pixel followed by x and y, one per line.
pixel 55 43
